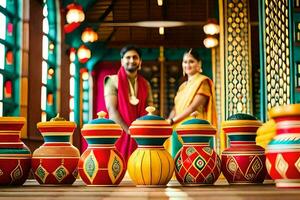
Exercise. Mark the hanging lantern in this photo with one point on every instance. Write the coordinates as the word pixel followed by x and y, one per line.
pixel 75 13
pixel 210 42
pixel 160 2
pixel 8 89
pixel 72 55
pixel 161 30
pixel 9 57
pixel 211 28
pixel 51 46
pixel 83 54
pixel 84 74
pixel 89 35
pixel 50 73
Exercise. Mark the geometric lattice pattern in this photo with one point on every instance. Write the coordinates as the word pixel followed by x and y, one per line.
pixel 277 52
pixel 237 57
pixel 197 165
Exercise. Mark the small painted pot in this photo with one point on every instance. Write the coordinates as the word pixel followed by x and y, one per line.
pixel 56 161
pixel 197 163
pixel 150 164
pixel 101 164
pixel 15 157
pixel 283 152
pixel 244 161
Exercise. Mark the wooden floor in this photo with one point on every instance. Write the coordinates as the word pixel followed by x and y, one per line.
pixel 126 190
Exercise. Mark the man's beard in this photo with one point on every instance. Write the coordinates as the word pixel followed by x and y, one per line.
pixel 132 69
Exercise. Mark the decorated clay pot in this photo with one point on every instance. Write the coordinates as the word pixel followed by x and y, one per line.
pixel 244 161
pixel 150 164
pixel 283 152
pixel 196 162
pixel 101 163
pixel 56 161
pixel 15 157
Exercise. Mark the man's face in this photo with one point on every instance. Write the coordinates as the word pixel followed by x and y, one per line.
pixel 131 61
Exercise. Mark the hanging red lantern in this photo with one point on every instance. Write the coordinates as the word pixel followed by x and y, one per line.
pixel 8 89
pixel 75 13
pixel 83 54
pixel 72 55
pixel 74 17
pixel 89 35
pixel 9 57
pixel 84 74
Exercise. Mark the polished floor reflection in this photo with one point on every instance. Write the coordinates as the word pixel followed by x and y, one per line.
pixel 33 191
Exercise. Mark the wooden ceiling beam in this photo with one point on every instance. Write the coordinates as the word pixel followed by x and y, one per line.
pixel 107 11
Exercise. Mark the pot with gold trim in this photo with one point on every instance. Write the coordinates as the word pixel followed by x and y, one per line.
pixel 56 161
pixel 15 157
pixel 150 164
pixel 244 161
pixel 283 152
pixel 197 163
pixel 101 164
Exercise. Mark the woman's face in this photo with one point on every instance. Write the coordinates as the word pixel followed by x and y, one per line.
pixel 190 65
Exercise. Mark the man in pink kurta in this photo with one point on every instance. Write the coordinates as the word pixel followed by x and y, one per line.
pixel 127 94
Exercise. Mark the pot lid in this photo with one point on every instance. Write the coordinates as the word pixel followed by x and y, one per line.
pixel 101 123
pixel 12 120
pixel 241 119
pixel 150 125
pixel 150 119
pixel 56 122
pixel 285 110
pixel 195 124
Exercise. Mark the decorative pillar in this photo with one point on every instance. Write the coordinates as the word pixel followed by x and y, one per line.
pixel 161 60
pixel 24 68
pixel 275 54
pixel 235 22
pixel 217 79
